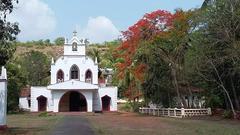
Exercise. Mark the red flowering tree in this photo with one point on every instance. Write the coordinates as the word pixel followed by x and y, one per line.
pixel 160 27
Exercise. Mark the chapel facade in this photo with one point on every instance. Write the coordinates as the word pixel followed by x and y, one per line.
pixel 74 84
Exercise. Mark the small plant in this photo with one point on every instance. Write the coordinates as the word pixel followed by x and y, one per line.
pixel 227 114
pixel 43 114
pixel 127 107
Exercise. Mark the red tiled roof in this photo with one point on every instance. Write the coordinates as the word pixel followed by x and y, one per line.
pixel 25 91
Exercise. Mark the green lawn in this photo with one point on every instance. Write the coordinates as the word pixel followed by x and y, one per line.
pixel 30 124
pixel 134 124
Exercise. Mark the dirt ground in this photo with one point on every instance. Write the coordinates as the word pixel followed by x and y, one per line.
pixel 135 124
pixel 122 123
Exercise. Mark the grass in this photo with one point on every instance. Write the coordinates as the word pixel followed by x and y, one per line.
pixel 30 124
pixel 134 124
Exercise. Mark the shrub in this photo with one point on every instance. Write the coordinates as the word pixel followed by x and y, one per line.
pixel 43 114
pixel 227 114
pixel 126 107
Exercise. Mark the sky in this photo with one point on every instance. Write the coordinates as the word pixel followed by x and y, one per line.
pixel 97 20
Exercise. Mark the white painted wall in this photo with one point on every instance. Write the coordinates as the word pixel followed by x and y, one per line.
pixel 38 91
pixel 81 47
pixel 109 91
pixel 23 103
pixel 66 62
pixel 3 97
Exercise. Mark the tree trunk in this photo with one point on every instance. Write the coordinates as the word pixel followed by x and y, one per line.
pixel 175 83
pixel 230 101
pixel 235 95
pixel 224 89
pixel 191 95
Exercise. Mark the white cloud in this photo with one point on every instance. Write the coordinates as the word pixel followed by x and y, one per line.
pixel 100 29
pixel 36 19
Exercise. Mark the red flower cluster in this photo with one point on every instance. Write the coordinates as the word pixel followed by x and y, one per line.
pixel 159 23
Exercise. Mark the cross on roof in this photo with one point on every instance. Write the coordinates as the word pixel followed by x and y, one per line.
pixel 74 33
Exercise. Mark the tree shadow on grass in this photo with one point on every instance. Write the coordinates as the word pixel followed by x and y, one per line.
pixel 21 131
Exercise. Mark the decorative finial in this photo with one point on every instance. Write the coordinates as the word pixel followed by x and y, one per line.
pixel 96 60
pixel 66 41
pixel 86 41
pixel 52 61
pixel 3 73
pixel 74 33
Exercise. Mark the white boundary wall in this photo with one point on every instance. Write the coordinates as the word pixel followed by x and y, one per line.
pixel 175 112
pixel 3 98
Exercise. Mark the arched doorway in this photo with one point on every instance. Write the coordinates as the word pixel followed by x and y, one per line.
pixel 73 101
pixel 106 103
pixel 42 103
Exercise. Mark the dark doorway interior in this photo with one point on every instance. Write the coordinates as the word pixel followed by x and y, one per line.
pixel 77 102
pixel 106 103
pixel 42 103
pixel 83 103
pixel 74 102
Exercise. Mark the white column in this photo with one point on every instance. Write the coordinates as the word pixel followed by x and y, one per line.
pixel 3 99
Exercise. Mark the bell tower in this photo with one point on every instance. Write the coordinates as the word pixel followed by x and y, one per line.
pixel 75 46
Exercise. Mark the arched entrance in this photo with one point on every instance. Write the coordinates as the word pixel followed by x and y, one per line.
pixel 42 103
pixel 106 103
pixel 73 101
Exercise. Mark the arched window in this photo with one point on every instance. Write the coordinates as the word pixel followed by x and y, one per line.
pixel 60 76
pixel 74 46
pixel 88 76
pixel 74 72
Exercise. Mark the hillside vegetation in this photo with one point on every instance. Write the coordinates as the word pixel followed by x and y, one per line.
pixel 50 51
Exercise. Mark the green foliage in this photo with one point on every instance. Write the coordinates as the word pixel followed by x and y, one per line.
pixel 39 43
pixel 126 107
pixel 59 41
pixel 104 53
pixel 131 106
pixel 43 114
pixel 16 80
pixel 227 114
pixel 157 86
pixel 215 54
pixel 8 31
pixel 36 66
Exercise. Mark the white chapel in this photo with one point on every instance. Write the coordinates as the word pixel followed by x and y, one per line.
pixel 74 84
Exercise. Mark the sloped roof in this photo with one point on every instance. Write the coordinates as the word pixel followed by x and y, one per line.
pixel 72 85
pixel 25 92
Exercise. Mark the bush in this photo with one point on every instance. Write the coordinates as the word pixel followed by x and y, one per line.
pixel 227 114
pixel 43 114
pixel 126 107
pixel 131 106
pixel 135 106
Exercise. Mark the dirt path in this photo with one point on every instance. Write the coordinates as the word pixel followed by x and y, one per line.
pixel 73 125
